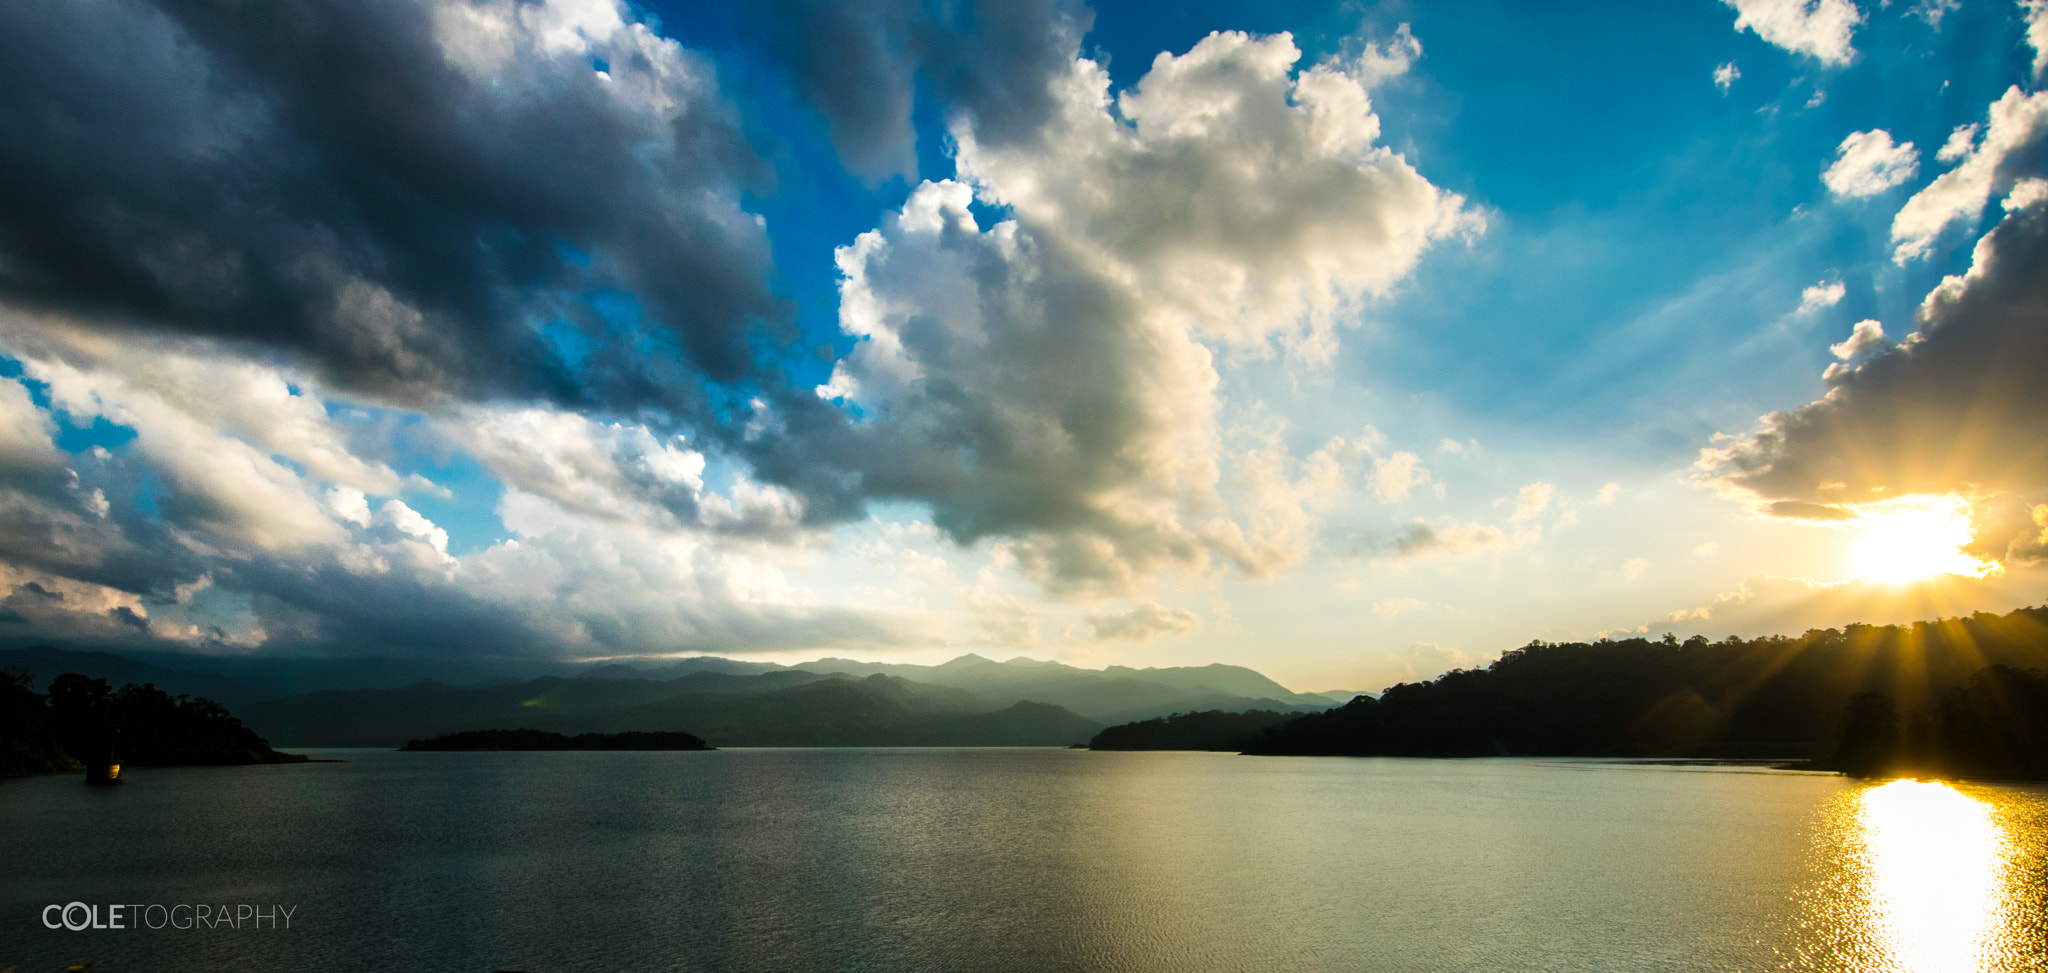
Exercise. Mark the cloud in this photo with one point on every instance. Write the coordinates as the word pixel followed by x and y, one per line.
pixel 1822 29
pixel 1143 623
pixel 567 584
pixel 1766 604
pixel 1531 500
pixel 393 196
pixel 524 223
pixel 1277 502
pixel 2010 149
pixel 1961 142
pixel 1395 606
pixel 1420 661
pixel 1808 511
pixel 57 606
pixel 1447 538
pixel 1956 408
pixel 598 587
pixel 1867 163
pixel 1050 378
pixel 1634 568
pixel 2009 529
pixel 243 514
pixel 1867 336
pixel 1725 75
pixel 26 433
pixel 1003 619
pixel 1825 294
pixel 2037 32
pixel 1933 11
pixel 1394 476
pixel 618 470
pixel 50 519
pixel 1300 211
pixel 1607 494
pixel 859 64
pixel 514 234
pixel 222 439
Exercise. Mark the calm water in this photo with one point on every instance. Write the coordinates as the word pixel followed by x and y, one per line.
pixel 982 860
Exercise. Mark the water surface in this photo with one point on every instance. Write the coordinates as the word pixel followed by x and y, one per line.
pixel 990 860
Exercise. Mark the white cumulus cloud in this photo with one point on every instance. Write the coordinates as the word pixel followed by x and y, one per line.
pixel 1822 295
pixel 1867 163
pixel 1725 75
pixel 1051 379
pixel 1822 29
pixel 2014 128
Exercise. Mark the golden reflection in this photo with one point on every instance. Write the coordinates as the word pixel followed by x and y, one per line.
pixel 1937 871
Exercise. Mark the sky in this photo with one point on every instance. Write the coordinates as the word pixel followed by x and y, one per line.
pixel 1349 342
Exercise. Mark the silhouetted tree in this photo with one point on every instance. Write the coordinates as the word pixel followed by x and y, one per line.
pixel 144 726
pixel 1769 697
pixel 1207 730
pixel 1869 742
pixel 28 738
pixel 1997 724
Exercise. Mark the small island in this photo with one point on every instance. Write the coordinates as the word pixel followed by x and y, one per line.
pixel 524 739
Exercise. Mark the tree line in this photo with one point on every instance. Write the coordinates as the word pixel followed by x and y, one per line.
pixel 1206 730
pixel 1969 689
pixel 1996 725
pixel 1957 696
pixel 81 720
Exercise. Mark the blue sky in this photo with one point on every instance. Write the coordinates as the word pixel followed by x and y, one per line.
pixel 1351 342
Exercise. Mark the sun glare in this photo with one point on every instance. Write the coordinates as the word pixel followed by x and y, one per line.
pixel 1909 542
pixel 1937 859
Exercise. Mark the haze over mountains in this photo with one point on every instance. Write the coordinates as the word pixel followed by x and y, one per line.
pixel 970 701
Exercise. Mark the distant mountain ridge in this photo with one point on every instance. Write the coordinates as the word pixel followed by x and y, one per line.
pixel 776 709
pixel 970 700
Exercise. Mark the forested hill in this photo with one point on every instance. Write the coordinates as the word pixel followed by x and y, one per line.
pixel 1205 730
pixel 84 721
pixel 1774 696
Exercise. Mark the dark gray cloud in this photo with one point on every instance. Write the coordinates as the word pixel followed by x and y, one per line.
pixel 990 62
pixel 395 194
pixel 1960 406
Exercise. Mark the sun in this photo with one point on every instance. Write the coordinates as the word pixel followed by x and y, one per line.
pixel 1907 541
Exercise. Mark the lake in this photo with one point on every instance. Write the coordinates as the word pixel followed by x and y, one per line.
pixel 989 860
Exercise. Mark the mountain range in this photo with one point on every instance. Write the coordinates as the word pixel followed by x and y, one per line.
pixel 969 701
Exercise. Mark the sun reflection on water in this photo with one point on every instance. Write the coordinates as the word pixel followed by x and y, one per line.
pixel 1923 878
pixel 1936 860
